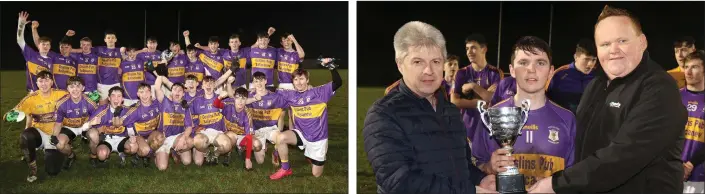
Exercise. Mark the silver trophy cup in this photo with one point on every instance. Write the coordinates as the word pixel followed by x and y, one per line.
pixel 505 126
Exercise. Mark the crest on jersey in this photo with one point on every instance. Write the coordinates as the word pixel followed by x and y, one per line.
pixel 509 92
pixel 269 102
pixel 308 99
pixel 69 111
pixel 264 54
pixel 85 110
pixel 270 54
pixel 553 135
pixel 301 101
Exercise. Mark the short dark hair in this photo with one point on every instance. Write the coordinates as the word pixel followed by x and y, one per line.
pixel 262 35
pixel 234 36
pixel 86 39
pixel 259 75
pixel 475 37
pixel 285 35
pixel 116 89
pixel 299 72
pixel 530 44
pixel 190 48
pixel 130 48
pixel 213 39
pixel 65 41
pixel 144 85
pixel 178 84
pixel 192 77
pixel 44 39
pixel 452 58
pixel 697 55
pixel 685 41
pixel 152 39
pixel 208 79
pixel 609 11
pixel 110 32
pixel 75 80
pixel 173 42
pixel 586 46
pixel 240 91
pixel 45 74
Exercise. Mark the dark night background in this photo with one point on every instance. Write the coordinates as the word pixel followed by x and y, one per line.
pixel 320 27
pixel 662 22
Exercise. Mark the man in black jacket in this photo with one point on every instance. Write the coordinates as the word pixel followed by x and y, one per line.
pixel 414 137
pixel 630 120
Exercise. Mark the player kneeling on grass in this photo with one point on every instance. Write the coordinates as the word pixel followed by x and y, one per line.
pixel 310 110
pixel 108 133
pixel 209 138
pixel 143 118
pixel 72 113
pixel 265 107
pixel 238 121
pixel 40 109
pixel 175 127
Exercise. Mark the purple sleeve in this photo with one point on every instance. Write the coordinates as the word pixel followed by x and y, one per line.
pixel 497 95
pixel 550 83
pixel 130 116
pixel 460 79
pixel 60 113
pixel 95 113
pixel 192 109
pixel 188 122
pixel 96 50
pixel 570 158
pixel 325 91
pixel 29 52
pixel 496 77
pixel 481 148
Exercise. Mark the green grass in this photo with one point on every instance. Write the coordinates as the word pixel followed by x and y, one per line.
pixel 83 178
pixel 365 177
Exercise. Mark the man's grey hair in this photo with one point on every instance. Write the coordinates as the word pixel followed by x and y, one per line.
pixel 416 33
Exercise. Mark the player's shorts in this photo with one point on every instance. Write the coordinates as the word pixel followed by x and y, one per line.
pixel 211 134
pixel 46 141
pixel 693 187
pixel 286 86
pixel 128 102
pixel 71 132
pixel 313 150
pixel 104 89
pixel 264 134
pixel 168 144
pixel 115 143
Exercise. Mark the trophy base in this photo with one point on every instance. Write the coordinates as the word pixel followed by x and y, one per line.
pixel 510 184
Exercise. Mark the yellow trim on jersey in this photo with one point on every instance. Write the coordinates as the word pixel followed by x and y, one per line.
pixel 310 111
pixel 149 125
pixel 538 166
pixel 36 105
pixel 34 68
pixel 262 63
pixel 266 114
pixel 176 71
pixel 135 76
pixel 209 118
pixel 111 62
pixel 173 119
pixel 694 129
pixel 287 67
pixel 87 69
pixel 555 72
pixel 63 69
pixel 217 66
pixel 234 127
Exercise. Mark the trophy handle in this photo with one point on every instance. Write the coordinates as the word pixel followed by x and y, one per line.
pixel 483 113
pixel 525 106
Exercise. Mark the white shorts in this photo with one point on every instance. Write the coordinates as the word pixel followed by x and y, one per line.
pixel 46 141
pixel 76 131
pixel 693 187
pixel 211 134
pixel 104 89
pixel 128 102
pixel 286 86
pixel 114 141
pixel 265 133
pixel 168 144
pixel 314 150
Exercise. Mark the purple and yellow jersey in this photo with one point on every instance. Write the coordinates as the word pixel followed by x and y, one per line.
pixel 310 110
pixel 678 75
pixel 567 86
pixel 144 119
pixel 109 60
pixel 228 56
pixel 266 112
pixel 41 109
pixel 545 146
pixel 132 76
pixel 263 60
pixel 189 98
pixel 63 67
pixel 155 57
pixel 196 68
pixel 213 63
pixel 106 120
pixel 175 118
pixel 35 64
pixel 74 114
pixel 506 89
pixel 87 69
pixel 286 64
pixel 694 130
pixel 238 122
pixel 177 68
pixel 487 78
pixel 205 115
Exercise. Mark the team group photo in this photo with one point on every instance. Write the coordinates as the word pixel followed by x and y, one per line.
pixel 150 97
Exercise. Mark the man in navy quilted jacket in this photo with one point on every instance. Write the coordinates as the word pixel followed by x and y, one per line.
pixel 414 136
